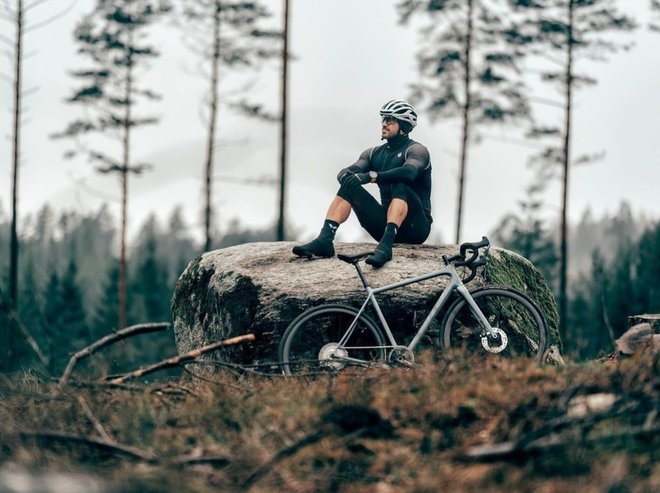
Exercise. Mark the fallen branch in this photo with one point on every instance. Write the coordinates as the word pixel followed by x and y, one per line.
pixel 511 450
pixel 249 390
pixel 193 460
pixel 177 360
pixel 120 450
pixel 546 437
pixel 106 341
pixel 105 445
pixel 265 468
pixel 95 422
pixel 28 336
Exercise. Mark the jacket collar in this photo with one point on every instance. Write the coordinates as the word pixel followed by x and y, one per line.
pixel 398 141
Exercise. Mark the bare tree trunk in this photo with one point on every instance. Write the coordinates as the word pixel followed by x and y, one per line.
pixel 213 116
pixel 466 118
pixel 123 291
pixel 14 247
pixel 283 137
pixel 563 296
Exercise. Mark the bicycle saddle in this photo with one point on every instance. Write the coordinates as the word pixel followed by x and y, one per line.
pixel 353 259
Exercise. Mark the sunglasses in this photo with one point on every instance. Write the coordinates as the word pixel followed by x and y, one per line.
pixel 389 119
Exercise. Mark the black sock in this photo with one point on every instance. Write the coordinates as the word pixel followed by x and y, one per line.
pixel 390 234
pixel 383 251
pixel 328 230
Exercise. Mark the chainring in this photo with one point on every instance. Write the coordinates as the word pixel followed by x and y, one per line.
pixel 401 356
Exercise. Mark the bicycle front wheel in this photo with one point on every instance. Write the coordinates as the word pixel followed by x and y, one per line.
pixel 516 318
pixel 310 344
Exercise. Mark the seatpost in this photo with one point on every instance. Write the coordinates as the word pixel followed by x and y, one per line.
pixel 365 283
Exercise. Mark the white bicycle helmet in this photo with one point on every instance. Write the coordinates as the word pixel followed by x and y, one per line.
pixel 401 110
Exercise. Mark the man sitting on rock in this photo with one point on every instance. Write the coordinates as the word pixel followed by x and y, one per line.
pixel 402 170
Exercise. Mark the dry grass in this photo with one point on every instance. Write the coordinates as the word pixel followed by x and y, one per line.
pixel 377 430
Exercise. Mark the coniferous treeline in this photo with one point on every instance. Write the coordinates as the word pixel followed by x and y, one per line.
pixel 614 271
pixel 70 273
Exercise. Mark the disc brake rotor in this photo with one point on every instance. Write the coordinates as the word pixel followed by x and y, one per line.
pixel 486 341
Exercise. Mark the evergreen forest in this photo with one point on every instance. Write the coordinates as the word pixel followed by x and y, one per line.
pixel 67 277
pixel 132 145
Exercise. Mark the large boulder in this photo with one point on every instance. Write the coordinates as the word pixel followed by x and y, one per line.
pixel 260 288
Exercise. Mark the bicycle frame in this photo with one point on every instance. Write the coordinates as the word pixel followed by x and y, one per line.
pixel 455 284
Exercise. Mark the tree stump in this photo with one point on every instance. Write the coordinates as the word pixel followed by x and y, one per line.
pixel 260 288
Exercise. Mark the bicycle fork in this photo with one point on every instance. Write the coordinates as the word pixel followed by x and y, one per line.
pixel 489 333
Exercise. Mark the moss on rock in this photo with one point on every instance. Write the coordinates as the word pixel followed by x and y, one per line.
pixel 506 268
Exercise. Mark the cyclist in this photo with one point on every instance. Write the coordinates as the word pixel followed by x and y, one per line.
pixel 402 170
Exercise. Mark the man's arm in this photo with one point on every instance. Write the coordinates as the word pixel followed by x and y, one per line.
pixel 362 165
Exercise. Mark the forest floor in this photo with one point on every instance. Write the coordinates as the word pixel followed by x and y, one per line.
pixel 455 424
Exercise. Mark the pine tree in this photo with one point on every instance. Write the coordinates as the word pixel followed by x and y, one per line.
pixel 20 14
pixel 105 316
pixel 647 268
pixel 73 319
pixel 563 32
pixel 469 68
pixel 65 324
pixel 30 306
pixel 177 246
pixel 526 234
pixel 52 327
pixel 150 288
pixel 113 38
pixel 225 35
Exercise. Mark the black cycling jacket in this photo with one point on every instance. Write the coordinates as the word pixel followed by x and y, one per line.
pixel 400 160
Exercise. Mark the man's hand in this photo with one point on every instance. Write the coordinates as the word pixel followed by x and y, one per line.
pixel 343 175
pixel 363 177
pixel 350 181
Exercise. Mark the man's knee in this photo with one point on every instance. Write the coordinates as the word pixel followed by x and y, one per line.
pixel 351 194
pixel 345 193
pixel 401 191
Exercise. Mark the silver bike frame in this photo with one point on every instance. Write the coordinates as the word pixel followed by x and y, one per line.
pixel 455 284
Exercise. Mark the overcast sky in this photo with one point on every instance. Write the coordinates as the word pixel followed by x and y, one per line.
pixel 351 57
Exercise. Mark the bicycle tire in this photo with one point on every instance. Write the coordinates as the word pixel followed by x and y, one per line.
pixel 505 308
pixel 306 344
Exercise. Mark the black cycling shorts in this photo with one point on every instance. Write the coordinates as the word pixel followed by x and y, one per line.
pixel 373 215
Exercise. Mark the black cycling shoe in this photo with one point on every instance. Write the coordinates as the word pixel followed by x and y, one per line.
pixel 315 248
pixel 382 254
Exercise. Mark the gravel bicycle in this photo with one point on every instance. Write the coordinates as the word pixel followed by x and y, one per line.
pixel 498 320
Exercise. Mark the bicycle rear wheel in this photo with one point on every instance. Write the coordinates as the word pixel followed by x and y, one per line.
pixel 310 342
pixel 517 317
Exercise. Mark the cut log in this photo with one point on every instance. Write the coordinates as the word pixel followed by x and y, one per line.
pixel 261 287
pixel 643 332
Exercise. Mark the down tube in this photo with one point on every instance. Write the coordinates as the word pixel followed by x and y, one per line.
pixel 434 311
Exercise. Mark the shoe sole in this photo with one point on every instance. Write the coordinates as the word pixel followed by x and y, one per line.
pixel 310 256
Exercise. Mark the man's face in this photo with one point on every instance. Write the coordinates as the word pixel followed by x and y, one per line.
pixel 389 127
